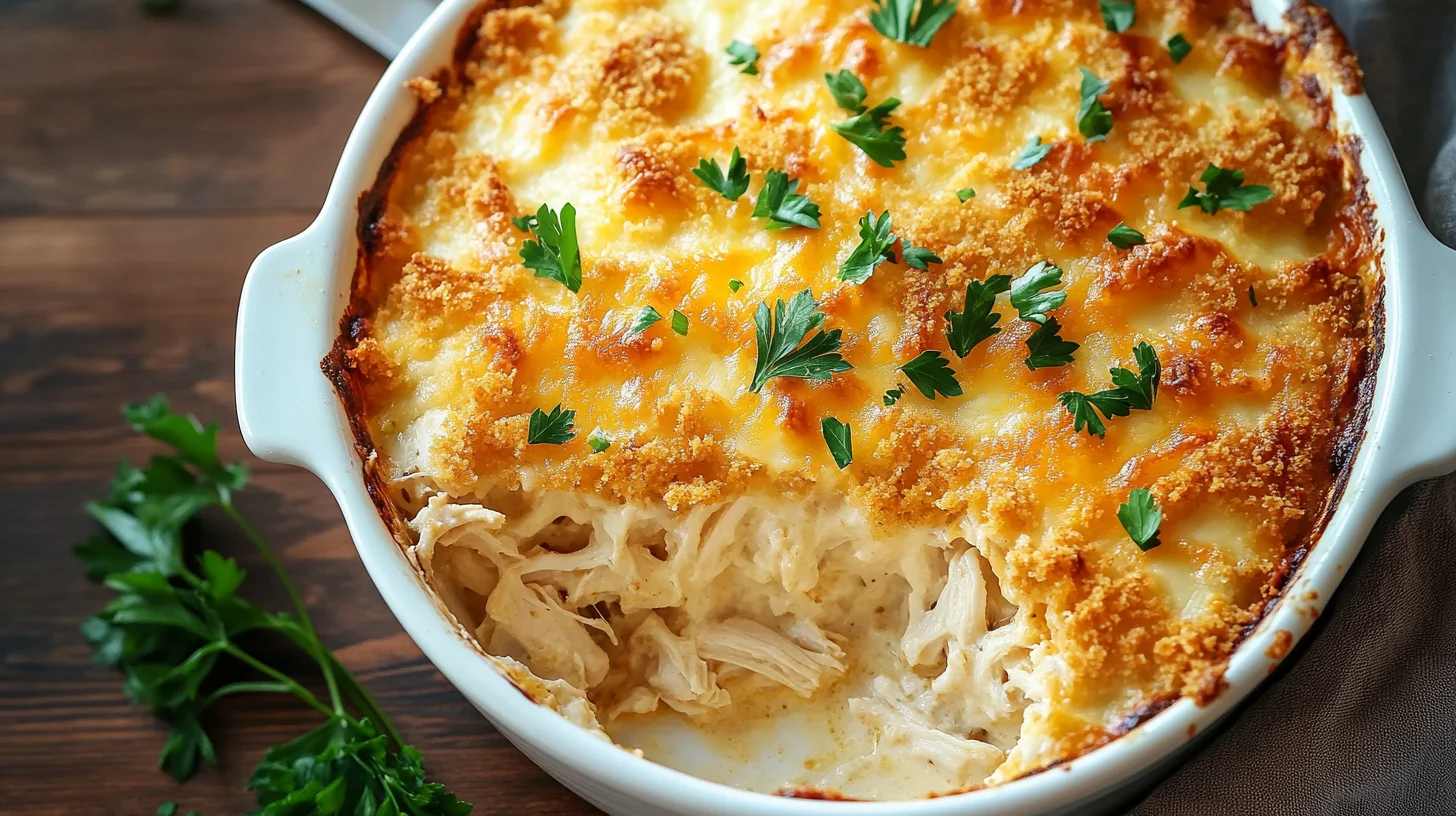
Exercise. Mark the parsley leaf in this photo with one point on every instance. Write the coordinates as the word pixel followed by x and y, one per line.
pixel 893 395
pixel 679 322
pixel 1094 120
pixel 784 208
pixel 778 335
pixel 734 285
pixel 598 441
pixel 976 322
pixel 551 429
pixel 848 92
pixel 1141 517
pixel 931 374
pixel 555 253
pixel 1124 237
pixel 902 22
pixel 524 223
pixel 1129 392
pixel 1048 350
pixel 871 133
pixel 966 194
pixel 1179 48
pixel 744 54
pixel 1253 299
pixel 1027 297
pixel 644 321
pixel 917 257
pixel 1224 189
pixel 837 437
pixel 1032 154
pixel 875 240
pixel 731 186
pixel 1117 15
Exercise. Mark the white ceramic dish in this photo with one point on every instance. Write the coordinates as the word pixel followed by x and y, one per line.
pixel 296 292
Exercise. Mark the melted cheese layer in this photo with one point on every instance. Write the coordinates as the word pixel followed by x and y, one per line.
pixel 608 105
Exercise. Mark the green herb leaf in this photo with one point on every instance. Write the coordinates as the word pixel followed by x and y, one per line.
pixel 1179 48
pixel 917 257
pixel 1082 413
pixel 784 208
pixel 976 322
pixel 871 132
pixel 744 54
pixel 525 223
pixel 1048 349
pixel 848 92
pixel 1117 15
pixel 1224 189
pixel 1129 392
pixel 778 335
pixel 555 253
pixel 679 322
pixel 1027 295
pixel 875 240
pixel 598 441
pixel 644 320
pixel 893 395
pixel 551 429
pixel 965 194
pixel 731 186
pixel 734 285
pixel 1141 517
pixel 1253 299
pixel 1094 120
pixel 837 437
pixel 1124 237
pixel 902 21
pixel 931 374
pixel 1032 154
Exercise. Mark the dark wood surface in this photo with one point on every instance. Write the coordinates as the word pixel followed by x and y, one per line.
pixel 144 161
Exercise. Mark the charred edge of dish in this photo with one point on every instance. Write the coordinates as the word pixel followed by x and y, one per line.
pixel 372 201
pixel 1309 26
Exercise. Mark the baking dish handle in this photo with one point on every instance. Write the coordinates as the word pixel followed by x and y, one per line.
pixel 1422 367
pixel 286 407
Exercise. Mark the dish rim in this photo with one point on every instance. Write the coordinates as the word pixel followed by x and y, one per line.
pixel 297 290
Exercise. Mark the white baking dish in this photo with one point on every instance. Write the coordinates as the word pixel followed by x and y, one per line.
pixel 297 290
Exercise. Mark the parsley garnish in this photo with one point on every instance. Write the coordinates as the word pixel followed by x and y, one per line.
pixel 181 632
pixel 918 257
pixel 554 254
pixel 837 437
pixel 1141 517
pixel 976 322
pixel 744 54
pixel 1048 350
pixel 524 223
pixel 598 441
pixel 551 429
pixel 1027 297
pixel 1253 299
pixel 1129 392
pixel 966 194
pixel 644 321
pixel 1032 154
pixel 848 92
pixel 1179 48
pixel 680 323
pixel 1224 189
pixel 893 395
pixel 734 285
pixel 1117 15
pixel 778 335
pixel 870 132
pixel 1094 120
pixel 784 208
pixel 731 186
pixel 900 21
pixel 1124 237
pixel 931 374
pixel 875 240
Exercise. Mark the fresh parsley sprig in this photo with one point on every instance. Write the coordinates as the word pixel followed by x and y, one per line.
pixel 731 185
pixel 779 333
pixel 1094 120
pixel 871 132
pixel 782 206
pixel 838 438
pixel 555 253
pixel 1179 48
pixel 1224 189
pixel 744 54
pixel 1141 517
pixel 1124 237
pixel 180 632
pixel 848 91
pixel 1117 15
pixel 931 374
pixel 874 248
pixel 893 395
pixel 645 320
pixel 1032 154
pixel 554 428
pixel 976 322
pixel 911 22
pixel 1028 295
pixel 1047 348
pixel 1129 392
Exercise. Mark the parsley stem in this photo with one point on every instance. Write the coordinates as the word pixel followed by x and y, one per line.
pixel 315 646
pixel 260 686
pixel 287 682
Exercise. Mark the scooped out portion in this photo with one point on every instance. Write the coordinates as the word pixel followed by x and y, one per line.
pixel 825 402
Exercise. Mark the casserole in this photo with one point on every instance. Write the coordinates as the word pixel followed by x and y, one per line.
pixel 1359 479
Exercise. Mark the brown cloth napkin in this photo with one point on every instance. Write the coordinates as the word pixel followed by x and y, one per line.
pixel 1362 718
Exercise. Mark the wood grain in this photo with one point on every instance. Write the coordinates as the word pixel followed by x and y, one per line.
pixel 143 163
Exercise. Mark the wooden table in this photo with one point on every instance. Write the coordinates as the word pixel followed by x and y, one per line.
pixel 144 161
